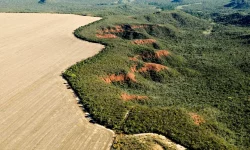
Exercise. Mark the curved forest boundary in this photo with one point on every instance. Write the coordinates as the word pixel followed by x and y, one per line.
pixel 159 73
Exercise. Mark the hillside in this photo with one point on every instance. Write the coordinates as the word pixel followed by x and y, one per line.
pixel 239 4
pixel 183 73
pixel 237 19
pixel 159 73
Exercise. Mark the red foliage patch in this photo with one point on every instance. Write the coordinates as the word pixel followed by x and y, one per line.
pixel 106 36
pixel 161 53
pixel 133 68
pixel 135 58
pixel 120 78
pixel 197 118
pixel 138 26
pixel 152 66
pixel 116 29
pixel 158 54
pixel 131 76
pixel 127 97
pixel 143 41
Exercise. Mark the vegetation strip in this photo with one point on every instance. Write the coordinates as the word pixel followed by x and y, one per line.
pixel 186 102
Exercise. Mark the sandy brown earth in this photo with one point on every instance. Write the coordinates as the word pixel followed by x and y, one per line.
pixel 37 111
pixel 149 141
pixel 162 141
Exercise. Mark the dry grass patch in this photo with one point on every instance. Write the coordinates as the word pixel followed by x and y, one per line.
pixel 145 141
pixel 127 97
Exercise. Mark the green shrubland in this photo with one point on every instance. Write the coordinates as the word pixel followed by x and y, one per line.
pixel 207 76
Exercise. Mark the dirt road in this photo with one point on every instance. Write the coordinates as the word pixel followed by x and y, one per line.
pixel 37 111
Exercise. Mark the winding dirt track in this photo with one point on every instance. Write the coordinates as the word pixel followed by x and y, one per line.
pixel 37 111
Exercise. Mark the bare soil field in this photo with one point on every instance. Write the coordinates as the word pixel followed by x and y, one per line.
pixel 37 111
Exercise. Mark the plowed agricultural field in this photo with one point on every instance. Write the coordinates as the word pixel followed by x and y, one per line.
pixel 37 111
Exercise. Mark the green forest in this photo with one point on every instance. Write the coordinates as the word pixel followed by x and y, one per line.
pixel 208 75
pixel 182 73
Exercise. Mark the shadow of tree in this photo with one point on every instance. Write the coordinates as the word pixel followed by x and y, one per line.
pixel 42 1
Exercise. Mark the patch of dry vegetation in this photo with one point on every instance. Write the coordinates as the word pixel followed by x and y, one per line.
pixel 152 67
pixel 106 36
pixel 128 97
pixel 198 120
pixel 147 141
pixel 143 41
pixel 120 78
